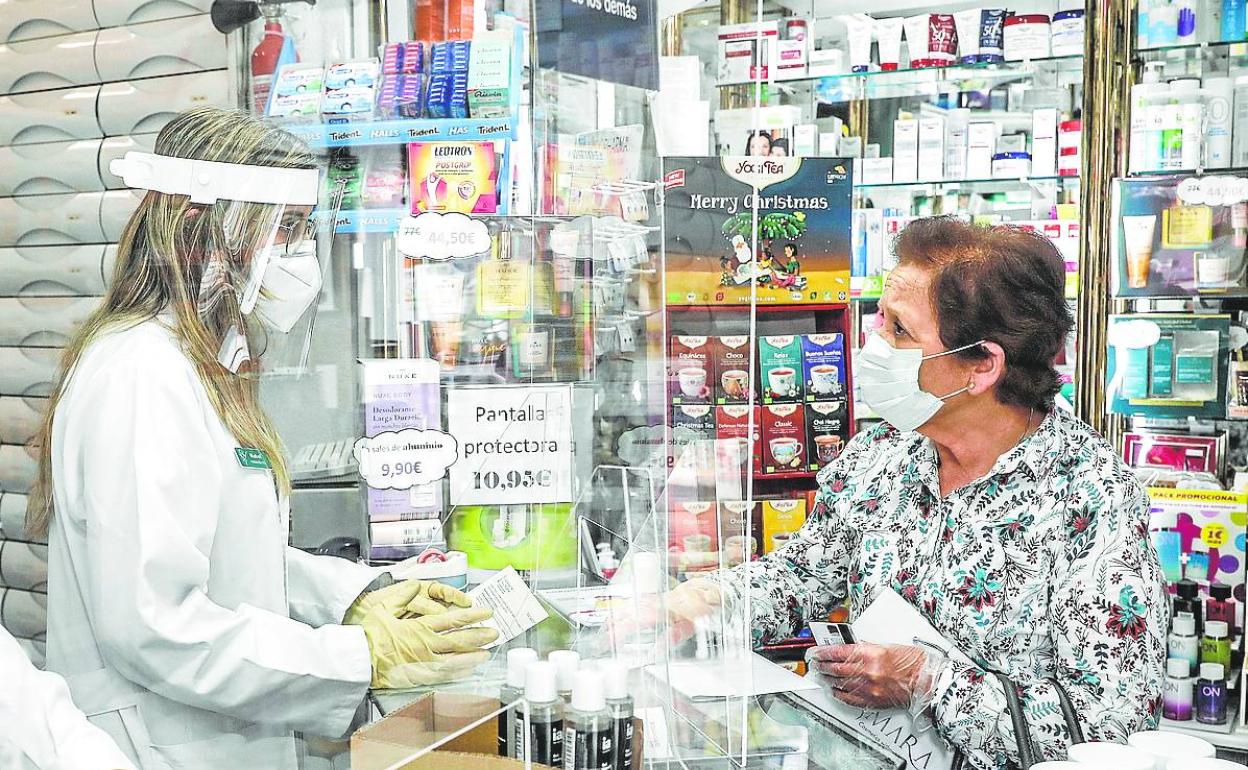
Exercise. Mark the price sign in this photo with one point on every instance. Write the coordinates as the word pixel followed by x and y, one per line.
pixel 515 444
pixel 442 236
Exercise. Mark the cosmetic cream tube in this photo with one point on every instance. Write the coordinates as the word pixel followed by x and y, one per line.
pixel 859 27
pixel 968 24
pixel 888 34
pixel 1138 234
pixel 917 35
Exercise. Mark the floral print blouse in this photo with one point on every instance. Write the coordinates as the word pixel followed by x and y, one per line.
pixel 1042 570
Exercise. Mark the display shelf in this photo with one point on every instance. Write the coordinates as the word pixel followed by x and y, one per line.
pixel 790 475
pixel 320 136
pixel 952 72
pixel 975 185
pixel 1236 739
pixel 922 80
pixel 1230 47
pixel 1196 172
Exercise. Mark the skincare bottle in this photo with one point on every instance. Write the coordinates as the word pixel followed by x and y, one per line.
pixel 1177 694
pixel 620 704
pixel 1233 20
pixel 1219 92
pixel 1210 694
pixel 1161 369
pixel 1146 119
pixel 587 728
pixel 1172 132
pixel 1183 644
pixel 1221 606
pixel 1191 121
pixel 566 663
pixel 545 738
pixel 512 691
pixel 1187 600
pixel 1215 647
pixel 1239 124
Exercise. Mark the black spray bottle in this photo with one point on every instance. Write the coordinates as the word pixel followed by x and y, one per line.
pixel 587 726
pixel 620 706
pixel 545 710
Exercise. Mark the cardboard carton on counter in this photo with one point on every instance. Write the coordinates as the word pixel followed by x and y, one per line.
pixel 428 721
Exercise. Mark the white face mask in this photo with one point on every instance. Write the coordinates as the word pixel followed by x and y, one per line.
pixel 888 379
pixel 289 285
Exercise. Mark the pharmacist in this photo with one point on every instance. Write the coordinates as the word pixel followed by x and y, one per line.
pixel 1009 524
pixel 184 625
pixel 39 724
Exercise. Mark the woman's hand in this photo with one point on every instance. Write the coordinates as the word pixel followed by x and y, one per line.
pixel 876 676
pixel 637 617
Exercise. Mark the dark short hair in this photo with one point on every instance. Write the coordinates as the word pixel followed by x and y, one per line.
pixel 1001 284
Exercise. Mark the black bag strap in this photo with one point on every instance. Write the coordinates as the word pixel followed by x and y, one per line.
pixel 1068 713
pixel 1029 752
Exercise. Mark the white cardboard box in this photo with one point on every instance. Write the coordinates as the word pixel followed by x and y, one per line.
pixel 957 123
pixel 1044 142
pixel 932 149
pixel 905 150
pixel 981 145
pixel 875 170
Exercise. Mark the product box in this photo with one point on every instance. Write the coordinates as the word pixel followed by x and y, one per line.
pixel 1211 528
pixel 397 540
pixel 823 365
pixel 1168 365
pixel 799 252
pixel 780 519
pixel 784 438
pixel 981 145
pixel 827 432
pixel 1180 236
pixel 806 141
pixel 453 177
pixel 1177 451
pixel 957 127
pixel 489 76
pixel 690 369
pixel 733 421
pixel 905 150
pixel 875 170
pixel 738 543
pixel 790 59
pixel 931 149
pixel 697 418
pixel 780 367
pixel 399 394
pixel 824 62
pixel 747 52
pixel 693 527
pixel 732 367
pixel 1044 142
pixel 867 270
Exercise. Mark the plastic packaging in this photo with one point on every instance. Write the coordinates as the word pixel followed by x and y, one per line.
pixel 545 738
pixel 1138 231
pixel 510 737
pixel 1011 165
pixel 968 26
pixel 620 704
pixel 566 663
pixel 1067 30
pixel 587 728
pixel 888 35
pixel 1178 691
pixel 1187 599
pixel 1233 20
pixel 1167 746
pixel 1239 144
pixel 1215 647
pixel 1183 643
pixel 858 27
pixel 1211 694
pixel 1113 755
pixel 917 39
pixel 992 35
pixel 1163 24
pixel 1191 108
pixel 1219 92
pixel 942 42
pixel 1027 36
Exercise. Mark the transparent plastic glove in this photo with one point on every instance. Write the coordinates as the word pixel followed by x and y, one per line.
pixel 407 650
pixel 878 676
pixel 409 599
pixel 632 619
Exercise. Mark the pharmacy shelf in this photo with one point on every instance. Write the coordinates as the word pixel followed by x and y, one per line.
pixel 1197 172
pixel 974 185
pixel 369 220
pixel 920 81
pixel 1217 48
pixel 319 136
pixel 1236 739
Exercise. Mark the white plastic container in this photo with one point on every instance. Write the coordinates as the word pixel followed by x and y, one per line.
pixel 1111 755
pixel 1204 763
pixel 1168 746
pixel 1027 36
pixel 1219 93
pixel 1239 134
pixel 1011 165
pixel 1067 33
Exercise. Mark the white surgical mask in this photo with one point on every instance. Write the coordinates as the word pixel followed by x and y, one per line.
pixel 290 283
pixel 888 378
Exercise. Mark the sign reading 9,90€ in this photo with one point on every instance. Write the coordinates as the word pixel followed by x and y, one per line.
pixel 515 444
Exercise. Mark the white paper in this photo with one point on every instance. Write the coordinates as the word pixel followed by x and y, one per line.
pixel 891 619
pixel 722 678
pixel 516 608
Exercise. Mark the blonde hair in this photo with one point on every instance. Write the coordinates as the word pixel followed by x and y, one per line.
pixel 161 259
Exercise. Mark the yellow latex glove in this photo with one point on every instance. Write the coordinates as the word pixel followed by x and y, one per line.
pixel 415 640
pixel 415 597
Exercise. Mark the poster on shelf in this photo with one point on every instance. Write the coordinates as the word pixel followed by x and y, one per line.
pixel 1212 528
pixel 515 444
pixel 1179 236
pixel 612 40
pixel 801 254
pixel 402 400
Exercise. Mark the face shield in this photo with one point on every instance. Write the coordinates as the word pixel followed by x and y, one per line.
pixel 261 248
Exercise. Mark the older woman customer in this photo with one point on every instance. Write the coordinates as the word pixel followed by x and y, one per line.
pixel 1009 524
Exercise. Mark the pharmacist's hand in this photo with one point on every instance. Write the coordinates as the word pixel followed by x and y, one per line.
pixel 411 652
pixel 678 609
pixel 408 599
pixel 877 675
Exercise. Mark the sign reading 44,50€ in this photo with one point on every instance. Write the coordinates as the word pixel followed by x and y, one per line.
pixel 612 40
pixel 515 445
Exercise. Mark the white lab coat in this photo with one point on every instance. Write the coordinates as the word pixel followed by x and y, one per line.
pixel 39 726
pixel 186 627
